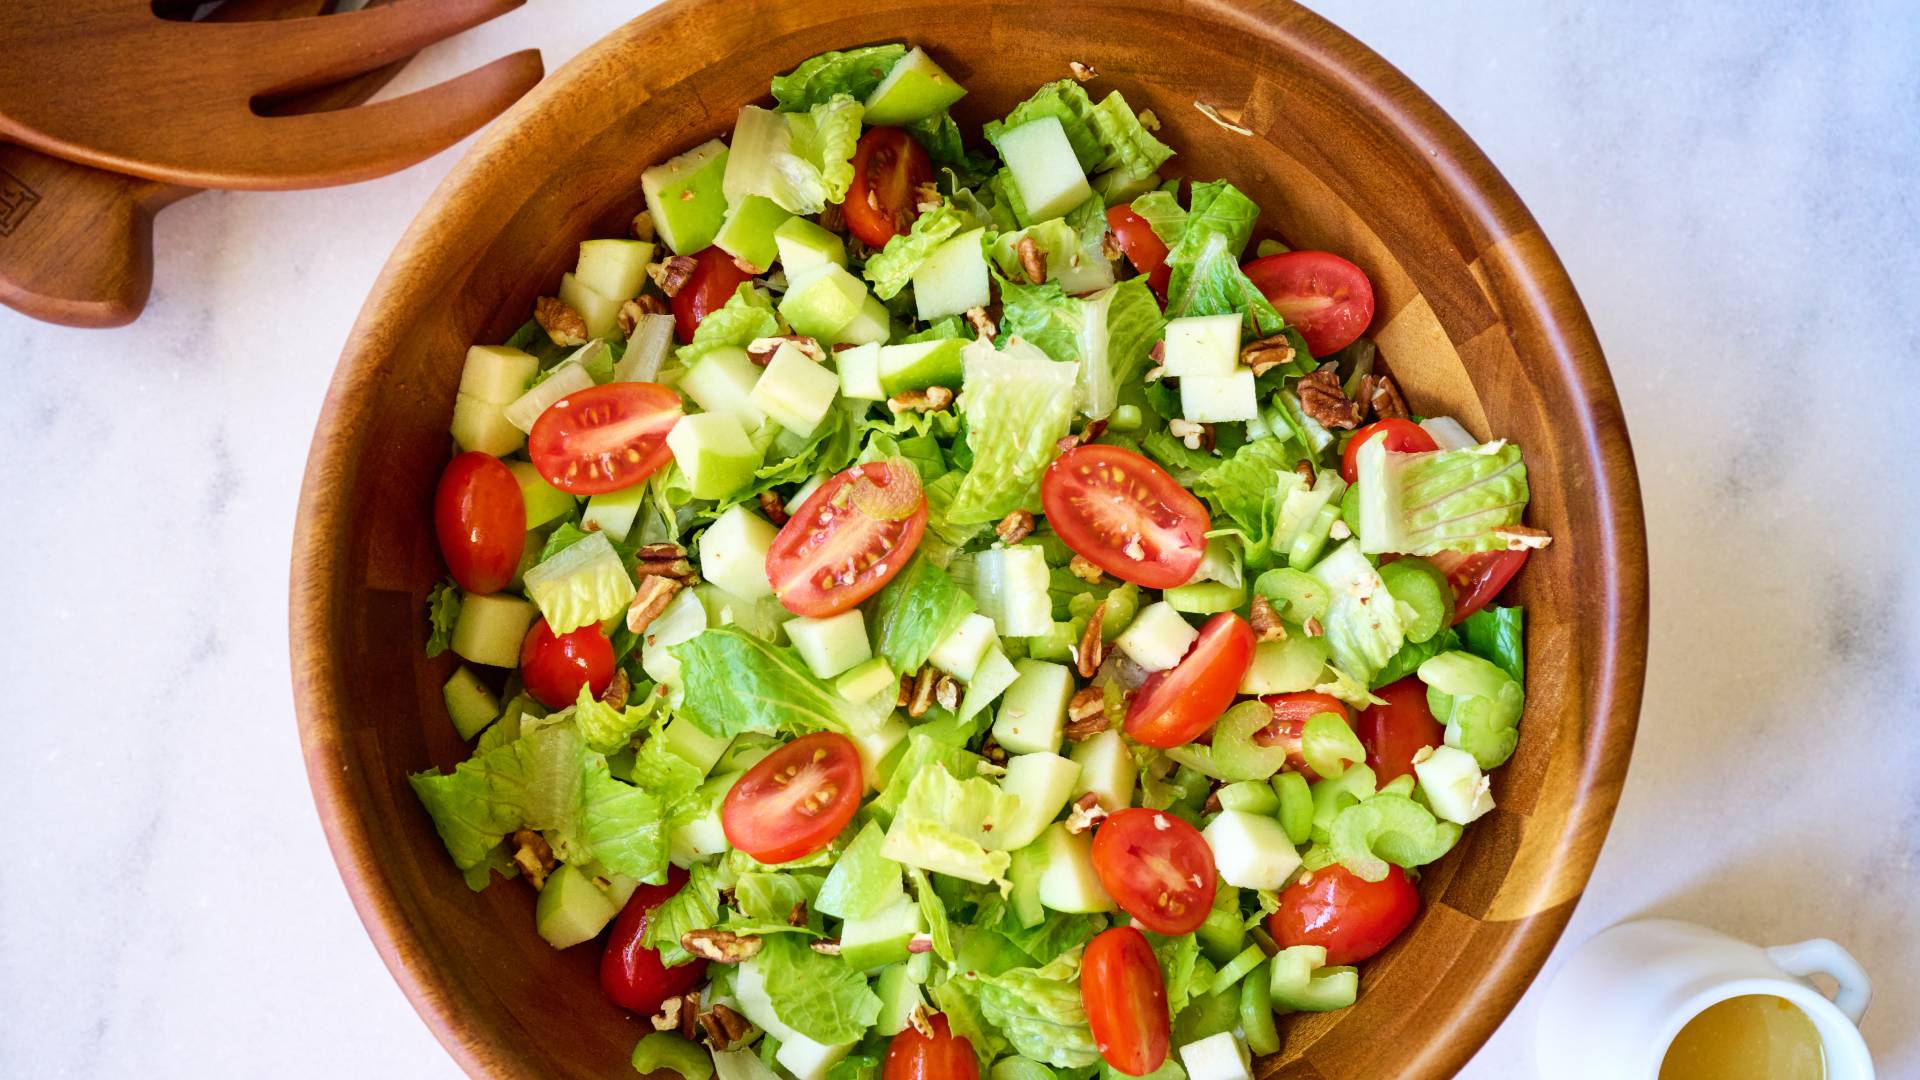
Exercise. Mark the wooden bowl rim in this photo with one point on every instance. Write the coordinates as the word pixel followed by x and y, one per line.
pixel 1539 287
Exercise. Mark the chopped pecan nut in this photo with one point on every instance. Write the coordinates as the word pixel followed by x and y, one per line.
pixel 664 560
pixel 926 197
pixel 1266 624
pixel 981 322
pixel 1110 248
pixel 761 350
pixel 672 273
pixel 1015 527
pixel 832 219
pixel 1081 72
pixel 723 1027
pixel 1212 805
pixel 617 689
pixel 771 506
pixel 932 399
pixel 797 916
pixel 1312 627
pixel 825 946
pixel 920 691
pixel 920 943
pixel 649 600
pixel 1086 814
pixel 748 268
pixel 1267 353
pixel 1092 650
pixel 721 946
pixel 1033 261
pixel 1382 394
pixel 1304 469
pixel 668 1018
pixel 643 226
pixel 946 691
pixel 1158 354
pixel 1087 714
pixel 562 324
pixel 1193 436
pixel 533 856
pixel 1324 400
pixel 1093 430
pixel 993 752
pixel 633 310
pixel 922 1020
pixel 1148 120
pixel 1522 537
pixel 1084 569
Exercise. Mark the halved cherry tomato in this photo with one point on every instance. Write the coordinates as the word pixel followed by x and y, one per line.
pixel 1352 918
pixel 796 800
pixel 1176 705
pixel 881 203
pixel 632 974
pixel 940 1056
pixel 1477 578
pixel 716 277
pixel 1403 437
pixel 1145 250
pixel 1157 868
pixel 604 438
pixel 555 666
pixel 1325 297
pixel 849 538
pixel 1126 1000
pixel 481 520
pixel 1394 732
pixel 1126 515
pixel 1290 715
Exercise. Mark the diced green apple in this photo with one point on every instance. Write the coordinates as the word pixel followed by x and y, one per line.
pixel 1456 788
pixel 899 996
pixel 733 553
pixel 1287 666
pixel 496 374
pixel 833 644
pixel 864 682
pixel 1043 782
pixel 490 629
pixel 1219 1056
pixel 1033 713
pixel 544 501
pixel 613 513
pixel 1069 883
pixel 1219 399
pixel 920 364
pixel 569 376
pixel 749 230
pixel 616 269
pixel 821 300
pixel 685 199
pixel 860 373
pixel 601 313
pixel 715 453
pixel 571 909
pixel 954 277
pixel 1107 769
pixel 881 938
pixel 1010 585
pixel 803 245
pixel 914 89
pixel 794 391
pixel 873 744
pixel 722 382
pixel 1203 345
pixel 960 652
pixel 1250 850
pixel 470 705
pixel 483 426
pixel 872 326
pixel 1157 638
pixel 684 618
pixel 692 744
pixel 1044 168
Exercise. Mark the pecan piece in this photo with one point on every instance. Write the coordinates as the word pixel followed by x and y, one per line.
pixel 922 1020
pixel 1312 627
pixel 672 273
pixel 1093 430
pixel 721 946
pixel 833 219
pixel 1158 354
pixel 1081 72
pixel 981 322
pixel 1324 400
pixel 632 311
pixel 775 510
pixel 1015 527
pixel 1084 569
pixel 664 560
pixel 1266 624
pixel 920 943
pixel 932 399
pixel 1086 814
pixel 533 856
pixel 643 226
pixel 1304 468
pixel 993 752
pixel 722 1027
pixel 1110 248
pixel 1092 650
pixel 926 197
pixel 1194 436
pixel 919 690
pixel 761 350
pixel 563 325
pixel 1382 394
pixel 1087 714
pixel 1267 353
pixel 1033 261
pixel 649 600
pixel 617 689
pixel 798 916
pixel 946 691
pixel 668 1018
pixel 825 946
pixel 1523 537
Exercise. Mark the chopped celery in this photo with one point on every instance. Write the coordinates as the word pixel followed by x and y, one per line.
pixel 1252 796
pixel 1300 981
pixel 1256 1011
pixel 1205 597
pixel 1236 756
pixel 1422 592
pixel 1479 703
pixel 1296 805
pixel 1332 796
pixel 1368 835
pixel 1329 746
pixel 1223 934
pixel 1296 595
pixel 664 1050
pixel 1237 968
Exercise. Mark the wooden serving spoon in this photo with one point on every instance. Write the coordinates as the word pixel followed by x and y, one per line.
pixel 76 242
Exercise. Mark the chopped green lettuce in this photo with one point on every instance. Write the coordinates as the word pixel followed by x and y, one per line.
pixel 1443 500
pixel 1162 212
pixel 1045 940
pixel 922 753
pixel 768 900
pixel 1498 634
pixel 606 728
pixel 1186 973
pixel 585 583
pixel 892 267
pixel 443 610
pixel 620 827
pixel 736 682
pixel 1206 278
pixel 1248 489
pixel 1479 703
pixel 933 911
pixel 947 825
pixel 833 446
pixel 800 160
pixel 1105 137
pixel 854 72
pixel 1412 655
pixel 825 137
pixel 695 907
pixel 1018 404
pixel 816 995
pixel 915 611
pixel 747 314
pixel 1040 1012
pixel 1362 625
pixel 1108 334
pixel 666 775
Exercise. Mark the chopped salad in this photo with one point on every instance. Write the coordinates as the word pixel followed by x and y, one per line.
pixel 947 608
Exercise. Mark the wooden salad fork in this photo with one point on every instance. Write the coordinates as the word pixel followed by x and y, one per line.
pixel 112 84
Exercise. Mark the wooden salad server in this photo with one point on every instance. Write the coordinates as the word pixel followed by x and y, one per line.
pixel 84 255
pixel 180 101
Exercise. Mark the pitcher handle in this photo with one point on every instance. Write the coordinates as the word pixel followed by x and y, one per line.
pixel 1821 956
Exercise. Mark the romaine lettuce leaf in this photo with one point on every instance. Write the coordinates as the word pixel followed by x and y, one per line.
pixel 1130 147
pixel 621 827
pixel 443 610
pixel 933 911
pixel 1185 972
pixel 605 728
pixel 1018 404
pixel 1205 258
pixel 1498 634
pixel 948 826
pixel 958 996
pixel 1479 703
pixel 1044 941
pixel 922 753
pixel 1362 625
pixel 915 610
pixel 825 137
pixel 1040 1012
pixel 1442 500
pixel 666 775
pixel 1248 489
pixel 585 583
pixel 695 907
pixel 1413 654
pixel 747 314
pixel 735 682
pixel 800 160
pixel 816 995
pixel 892 267
pixel 854 72
pixel 770 898
pixel 1104 137
pixel 1109 334
pixel 1163 214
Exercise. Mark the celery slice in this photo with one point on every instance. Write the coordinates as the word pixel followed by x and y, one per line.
pixel 1368 835
pixel 1296 805
pixel 1329 746
pixel 1236 756
pixel 1237 968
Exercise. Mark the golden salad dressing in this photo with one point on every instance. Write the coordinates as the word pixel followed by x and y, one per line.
pixel 1753 1037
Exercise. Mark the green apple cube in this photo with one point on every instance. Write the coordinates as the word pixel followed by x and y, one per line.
pixel 1044 782
pixel 860 373
pixel 1034 711
pixel 872 326
pixel 722 382
pixel 685 617
pixel 1203 345
pixel 470 705
pixel 899 996
pixel 920 364
pixel 1107 769
pixel 1219 399
pixel 715 453
pixel 571 909
pixel 602 313
pixel 483 426
pixel 1453 783
pixel 833 644
pixel 914 89
pixel 821 300
pixel 544 501
pixel 733 553
pixel 866 681
pixel 1250 850
pixel 875 743
pixel 795 392
pixel 1069 883
pixel 1010 585
pixel 1220 1056
pixel 749 230
pixel 1288 666
pixel 954 277
pixel 566 378
pixel 693 745
pixel 803 245
pixel 496 374
pixel 490 628
pixel 1044 168
pixel 616 269
pixel 882 938
pixel 705 836
pixel 613 513
pixel 1120 186
pixel 960 652
pixel 1157 638
pixel 685 199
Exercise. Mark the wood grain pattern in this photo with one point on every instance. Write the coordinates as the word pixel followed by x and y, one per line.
pixel 184 102
pixel 1346 153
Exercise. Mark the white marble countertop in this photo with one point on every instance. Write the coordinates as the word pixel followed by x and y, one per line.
pixel 1731 185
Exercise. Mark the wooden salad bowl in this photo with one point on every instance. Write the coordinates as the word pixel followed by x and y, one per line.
pixel 1475 314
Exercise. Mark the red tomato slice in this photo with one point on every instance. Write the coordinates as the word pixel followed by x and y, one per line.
pixel 1126 1000
pixel 1142 247
pixel 796 800
pixel 1394 732
pixel 481 520
pixel 1157 868
pixel 1126 515
pixel 881 202
pixel 1325 297
pixel 632 974
pixel 555 666
pixel 604 438
pixel 849 538
pixel 1349 916
pixel 716 277
pixel 1477 578
pixel 1175 706
pixel 1290 715
pixel 1403 437
pixel 940 1056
